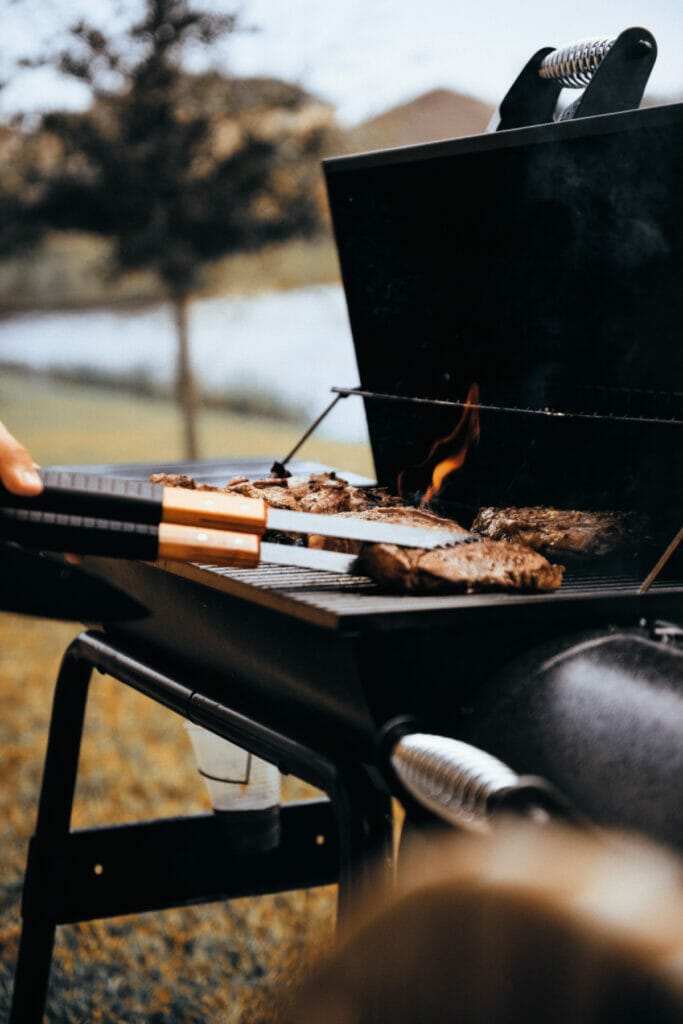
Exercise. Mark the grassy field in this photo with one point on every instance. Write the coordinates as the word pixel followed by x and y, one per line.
pixel 223 963
pixel 68 423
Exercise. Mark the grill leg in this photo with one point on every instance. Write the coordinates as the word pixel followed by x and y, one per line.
pixel 46 852
pixel 360 810
pixel 365 825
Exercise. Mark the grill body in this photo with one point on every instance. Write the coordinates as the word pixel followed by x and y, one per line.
pixel 544 265
pixel 330 658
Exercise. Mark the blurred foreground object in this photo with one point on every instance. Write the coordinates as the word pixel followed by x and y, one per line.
pixel 525 926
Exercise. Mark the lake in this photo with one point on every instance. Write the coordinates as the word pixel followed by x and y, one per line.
pixel 289 346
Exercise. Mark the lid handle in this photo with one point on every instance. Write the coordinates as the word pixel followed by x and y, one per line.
pixel 612 72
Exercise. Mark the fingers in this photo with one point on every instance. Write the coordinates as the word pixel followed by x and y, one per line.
pixel 17 469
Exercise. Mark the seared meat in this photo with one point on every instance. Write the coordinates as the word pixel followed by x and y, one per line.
pixel 274 492
pixel 328 494
pixel 563 532
pixel 478 565
pixel 402 515
pixel 180 480
pixel 468 568
pixel 325 493
pixel 271 491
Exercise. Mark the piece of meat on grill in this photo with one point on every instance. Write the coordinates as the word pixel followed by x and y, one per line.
pixel 329 494
pixel 463 568
pixel 401 515
pixel 563 532
pixel 181 480
pixel 325 493
pixel 275 493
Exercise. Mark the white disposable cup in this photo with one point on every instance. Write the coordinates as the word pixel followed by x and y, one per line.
pixel 235 779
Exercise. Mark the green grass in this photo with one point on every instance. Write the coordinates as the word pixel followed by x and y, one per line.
pixel 69 423
pixel 225 963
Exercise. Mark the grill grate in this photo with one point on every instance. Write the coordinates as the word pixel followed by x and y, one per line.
pixel 338 600
pixel 293 579
pixel 341 601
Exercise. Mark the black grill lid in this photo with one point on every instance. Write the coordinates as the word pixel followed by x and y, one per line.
pixel 544 264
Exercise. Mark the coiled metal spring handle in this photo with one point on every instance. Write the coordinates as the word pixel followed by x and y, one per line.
pixel 466 786
pixel 574 66
pixel 613 72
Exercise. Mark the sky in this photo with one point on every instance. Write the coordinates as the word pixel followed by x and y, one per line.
pixel 365 56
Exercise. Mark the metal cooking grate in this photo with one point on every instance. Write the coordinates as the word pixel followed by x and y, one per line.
pixel 292 579
pixel 337 599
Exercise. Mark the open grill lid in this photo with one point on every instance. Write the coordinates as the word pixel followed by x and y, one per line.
pixel 545 265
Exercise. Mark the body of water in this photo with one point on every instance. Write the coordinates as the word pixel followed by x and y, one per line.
pixel 289 346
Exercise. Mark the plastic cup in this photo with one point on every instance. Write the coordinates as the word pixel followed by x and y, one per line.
pixel 243 789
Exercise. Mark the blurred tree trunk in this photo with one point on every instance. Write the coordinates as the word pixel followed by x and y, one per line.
pixel 146 167
pixel 186 391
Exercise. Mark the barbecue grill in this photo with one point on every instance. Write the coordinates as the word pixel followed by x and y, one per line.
pixel 542 264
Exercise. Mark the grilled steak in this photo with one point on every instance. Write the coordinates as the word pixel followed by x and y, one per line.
pixel 467 568
pixel 329 494
pixel 325 493
pixel 563 532
pixel 476 566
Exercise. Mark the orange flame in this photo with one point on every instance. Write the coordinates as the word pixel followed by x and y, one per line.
pixel 464 433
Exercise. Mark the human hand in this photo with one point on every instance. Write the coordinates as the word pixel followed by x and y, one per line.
pixel 17 468
pixel 18 471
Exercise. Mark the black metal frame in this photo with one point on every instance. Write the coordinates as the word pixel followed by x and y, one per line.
pixel 80 875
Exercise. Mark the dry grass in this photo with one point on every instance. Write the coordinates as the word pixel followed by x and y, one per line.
pixel 223 963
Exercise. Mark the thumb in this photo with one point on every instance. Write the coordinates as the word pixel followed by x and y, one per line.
pixel 17 469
